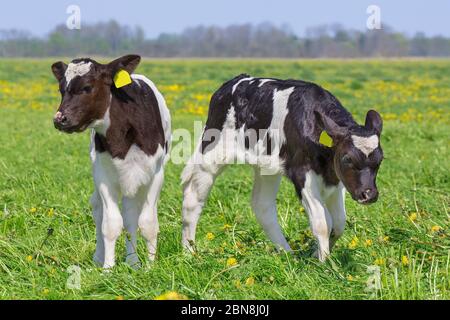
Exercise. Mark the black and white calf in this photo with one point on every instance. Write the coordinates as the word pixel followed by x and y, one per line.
pixel 129 146
pixel 276 126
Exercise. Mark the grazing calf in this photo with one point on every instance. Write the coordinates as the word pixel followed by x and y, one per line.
pixel 130 139
pixel 277 125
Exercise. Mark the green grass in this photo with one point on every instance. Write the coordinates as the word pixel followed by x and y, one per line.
pixel 50 171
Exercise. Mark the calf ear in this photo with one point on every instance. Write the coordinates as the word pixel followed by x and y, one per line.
pixel 334 130
pixel 128 63
pixel 59 69
pixel 374 122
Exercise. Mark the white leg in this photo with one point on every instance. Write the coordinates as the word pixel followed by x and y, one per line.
pixel 148 218
pixel 197 183
pixel 264 206
pixel 131 209
pixel 112 222
pixel 97 212
pixel 336 207
pixel 319 217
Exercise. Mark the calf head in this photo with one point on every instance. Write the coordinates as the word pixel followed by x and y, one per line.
pixel 357 156
pixel 85 87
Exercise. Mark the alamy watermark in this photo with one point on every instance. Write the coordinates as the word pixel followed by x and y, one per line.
pixel 74 280
pixel 73 22
pixel 373 22
pixel 373 283
pixel 216 147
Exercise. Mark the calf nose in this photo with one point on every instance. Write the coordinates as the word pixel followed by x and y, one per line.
pixel 59 119
pixel 369 195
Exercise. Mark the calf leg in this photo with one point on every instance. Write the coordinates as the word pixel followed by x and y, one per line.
pixel 197 183
pixel 131 210
pixel 112 222
pixel 264 206
pixel 148 218
pixel 97 212
pixel 336 207
pixel 319 217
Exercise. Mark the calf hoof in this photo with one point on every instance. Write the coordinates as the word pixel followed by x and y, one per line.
pixel 189 246
pixel 322 256
pixel 97 260
pixel 133 261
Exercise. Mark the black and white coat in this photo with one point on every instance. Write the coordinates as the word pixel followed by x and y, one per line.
pixel 275 125
pixel 130 141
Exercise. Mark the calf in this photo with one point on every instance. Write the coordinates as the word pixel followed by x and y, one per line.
pixel 130 138
pixel 286 120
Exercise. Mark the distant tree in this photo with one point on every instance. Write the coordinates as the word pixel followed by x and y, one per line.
pixel 244 40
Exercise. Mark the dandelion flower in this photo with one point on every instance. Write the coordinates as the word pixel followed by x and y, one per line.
pixel 33 210
pixel 436 228
pixel 413 216
pixel 226 227
pixel 29 258
pixel 379 261
pixel 45 291
pixel 354 243
pixel 231 262
pixel 210 236
pixel 350 277
pixel 405 260
pixel 250 281
pixel 51 212
pixel 171 295
pixel 119 298
pixel 368 243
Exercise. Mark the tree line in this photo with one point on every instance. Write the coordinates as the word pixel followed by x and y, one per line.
pixel 246 40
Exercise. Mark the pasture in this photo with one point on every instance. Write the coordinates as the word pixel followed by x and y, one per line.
pixel 46 228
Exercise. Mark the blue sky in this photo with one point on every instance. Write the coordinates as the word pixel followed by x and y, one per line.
pixel 39 17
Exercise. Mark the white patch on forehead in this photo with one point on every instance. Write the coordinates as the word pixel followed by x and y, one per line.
pixel 239 82
pixel 77 69
pixel 366 144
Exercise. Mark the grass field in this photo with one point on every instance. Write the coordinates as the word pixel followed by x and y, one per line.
pixel 45 184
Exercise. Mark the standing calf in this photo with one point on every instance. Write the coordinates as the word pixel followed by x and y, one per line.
pixel 129 147
pixel 276 125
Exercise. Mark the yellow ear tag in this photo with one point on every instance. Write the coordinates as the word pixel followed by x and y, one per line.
pixel 122 78
pixel 325 139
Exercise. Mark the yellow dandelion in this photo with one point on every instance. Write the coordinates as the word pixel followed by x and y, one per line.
pixel 226 227
pixel 385 239
pixel 250 281
pixel 45 291
pixel 119 298
pixel 29 258
pixel 413 216
pixel 33 210
pixel 171 295
pixel 231 262
pixel 302 209
pixel 354 243
pixel 379 261
pixel 350 277
pixel 436 228
pixel 368 243
pixel 51 212
pixel 210 236
pixel 405 260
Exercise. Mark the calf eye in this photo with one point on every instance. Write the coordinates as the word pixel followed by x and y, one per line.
pixel 347 161
pixel 87 89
